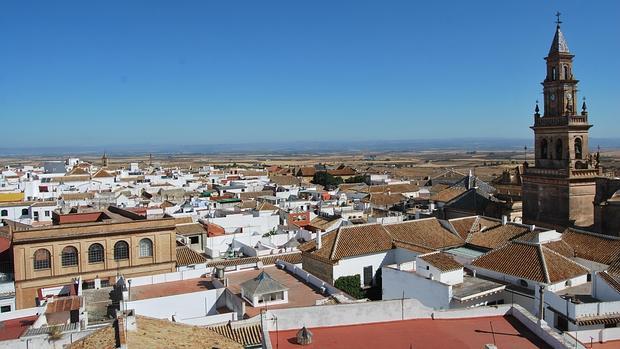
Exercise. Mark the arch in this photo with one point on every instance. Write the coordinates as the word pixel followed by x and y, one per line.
pixel 566 73
pixel 69 256
pixel 558 149
pixel 95 253
pixel 146 248
pixel 42 259
pixel 544 149
pixel 578 148
pixel 553 74
pixel 24 211
pixel 4 213
pixel 121 250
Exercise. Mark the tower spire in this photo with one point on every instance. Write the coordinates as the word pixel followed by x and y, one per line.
pixel 559 44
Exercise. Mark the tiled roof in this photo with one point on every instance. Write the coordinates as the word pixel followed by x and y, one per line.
pixel 392 188
pixel 285 180
pixel 322 223
pixel 441 261
pixel 599 248
pixel 77 196
pixel 187 256
pixel 497 236
pixel 448 194
pixel 63 304
pixel 385 199
pixel 260 285
pixel 531 262
pixel 465 226
pixel 189 229
pixel 103 174
pixel 293 258
pixel 250 335
pixel 254 194
pixel 612 280
pixel 428 233
pixel 350 241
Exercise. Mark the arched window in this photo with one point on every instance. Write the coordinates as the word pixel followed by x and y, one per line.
pixel 24 211
pixel 95 253
pixel 121 250
pixel 42 259
pixel 4 213
pixel 544 149
pixel 578 149
pixel 558 149
pixel 146 248
pixel 566 72
pixel 553 74
pixel 69 256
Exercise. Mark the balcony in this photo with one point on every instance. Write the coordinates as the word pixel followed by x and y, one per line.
pixel 572 120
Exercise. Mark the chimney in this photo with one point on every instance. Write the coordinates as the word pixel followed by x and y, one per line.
pixel 318 239
pixel 541 304
pixel 504 219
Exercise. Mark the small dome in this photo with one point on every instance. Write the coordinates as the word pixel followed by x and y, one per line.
pixel 304 336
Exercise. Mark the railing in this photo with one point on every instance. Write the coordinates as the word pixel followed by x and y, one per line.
pixel 561 120
pixel 558 172
pixel 587 172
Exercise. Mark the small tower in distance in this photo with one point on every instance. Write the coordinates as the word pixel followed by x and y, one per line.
pixel 104 160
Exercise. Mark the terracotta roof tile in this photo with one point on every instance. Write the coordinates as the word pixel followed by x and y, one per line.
pixel 187 256
pixel 599 248
pixel 497 236
pixel 467 225
pixel 531 262
pixel 428 233
pixel 448 194
pixel 441 261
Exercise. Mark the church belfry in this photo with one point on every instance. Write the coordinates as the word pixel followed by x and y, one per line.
pixel 559 189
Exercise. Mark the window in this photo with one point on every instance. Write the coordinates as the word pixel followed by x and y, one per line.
pixel 47 213
pixel 146 248
pixel 4 213
pixel 368 275
pixel 194 240
pixel 42 259
pixel 544 149
pixel 24 211
pixel 523 283
pixel 578 153
pixel 553 74
pixel 69 256
pixel 121 250
pixel 558 149
pixel 95 253
pixel 5 309
pixel 566 76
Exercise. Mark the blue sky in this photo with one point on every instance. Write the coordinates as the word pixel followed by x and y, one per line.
pixel 201 72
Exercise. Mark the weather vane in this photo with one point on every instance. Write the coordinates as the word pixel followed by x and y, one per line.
pixel 557 14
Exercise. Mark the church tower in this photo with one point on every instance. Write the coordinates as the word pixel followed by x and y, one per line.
pixel 559 190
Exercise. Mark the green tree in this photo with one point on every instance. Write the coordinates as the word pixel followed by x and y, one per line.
pixel 351 285
pixel 327 180
pixel 356 179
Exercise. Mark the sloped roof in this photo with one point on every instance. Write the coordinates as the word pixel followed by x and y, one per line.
pixel 558 45
pixel 249 335
pixel 103 174
pixel 448 194
pixel 531 262
pixel 428 233
pixel 497 236
pixel 190 228
pixel 442 261
pixel 350 241
pixel 187 256
pixel 260 285
pixel 285 180
pixel 465 226
pixel 599 248
pixel 384 199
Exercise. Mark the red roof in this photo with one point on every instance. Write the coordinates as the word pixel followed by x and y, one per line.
pixel 214 230
pixel 14 328
pixel 473 333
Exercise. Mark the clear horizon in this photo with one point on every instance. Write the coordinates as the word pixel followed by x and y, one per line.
pixel 88 75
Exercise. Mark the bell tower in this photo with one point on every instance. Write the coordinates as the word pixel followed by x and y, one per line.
pixel 559 190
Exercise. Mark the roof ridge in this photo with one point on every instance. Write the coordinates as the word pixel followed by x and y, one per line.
pixel 541 255
pixel 560 255
pixel 411 221
pixel 591 233
pixel 336 238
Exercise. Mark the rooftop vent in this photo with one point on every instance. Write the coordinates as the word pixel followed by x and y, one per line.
pixel 304 336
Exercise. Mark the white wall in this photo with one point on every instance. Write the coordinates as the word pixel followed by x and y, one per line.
pixel 602 290
pixel 187 306
pixel 398 284
pixel 355 265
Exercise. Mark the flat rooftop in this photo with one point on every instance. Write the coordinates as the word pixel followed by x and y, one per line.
pixel 171 288
pixel 473 287
pixel 300 294
pixel 580 293
pixel 472 333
